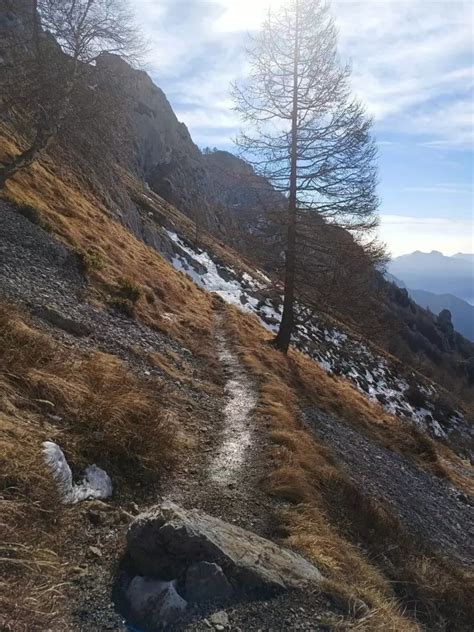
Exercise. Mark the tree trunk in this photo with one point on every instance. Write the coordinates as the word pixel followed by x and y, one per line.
pixel 46 131
pixel 283 338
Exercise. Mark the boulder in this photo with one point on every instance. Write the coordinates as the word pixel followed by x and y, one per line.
pixel 52 316
pixel 154 603
pixel 167 540
pixel 205 582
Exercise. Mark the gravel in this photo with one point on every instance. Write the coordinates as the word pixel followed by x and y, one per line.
pixel 429 508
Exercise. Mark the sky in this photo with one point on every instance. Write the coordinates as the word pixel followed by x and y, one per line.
pixel 412 66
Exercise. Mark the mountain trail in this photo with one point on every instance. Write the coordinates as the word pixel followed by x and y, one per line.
pixel 223 473
pixel 238 432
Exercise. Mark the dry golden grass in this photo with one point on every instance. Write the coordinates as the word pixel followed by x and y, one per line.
pixel 107 413
pixel 364 552
pixel 330 521
pixel 102 414
pixel 167 300
pixel 31 596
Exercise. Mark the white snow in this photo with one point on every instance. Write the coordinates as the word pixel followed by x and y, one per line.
pixel 95 484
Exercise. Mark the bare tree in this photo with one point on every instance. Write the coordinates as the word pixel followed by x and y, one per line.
pixel 50 58
pixel 305 133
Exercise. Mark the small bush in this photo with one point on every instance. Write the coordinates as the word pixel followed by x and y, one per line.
pixel 34 216
pixel 123 305
pixel 91 260
pixel 129 290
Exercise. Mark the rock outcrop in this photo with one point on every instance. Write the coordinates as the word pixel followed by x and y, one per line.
pixel 165 154
pixel 168 541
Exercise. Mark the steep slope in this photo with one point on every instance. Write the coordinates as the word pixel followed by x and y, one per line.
pixel 78 297
pixel 462 313
pixel 135 346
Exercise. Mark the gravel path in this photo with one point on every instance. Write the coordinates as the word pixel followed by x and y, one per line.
pixel 222 474
pixel 429 508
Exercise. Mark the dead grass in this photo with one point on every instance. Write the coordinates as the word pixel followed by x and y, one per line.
pixel 31 597
pixel 118 265
pixel 108 414
pixel 98 412
pixel 364 552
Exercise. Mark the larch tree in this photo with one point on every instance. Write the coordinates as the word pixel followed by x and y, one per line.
pixel 304 132
pixel 49 61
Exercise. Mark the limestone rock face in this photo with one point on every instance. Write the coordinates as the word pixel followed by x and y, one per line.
pixel 165 155
pixel 167 540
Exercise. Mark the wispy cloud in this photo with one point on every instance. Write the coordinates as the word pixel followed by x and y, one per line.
pixel 404 234
pixel 446 188
pixel 412 59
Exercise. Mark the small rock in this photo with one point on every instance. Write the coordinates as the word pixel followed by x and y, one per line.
pixel 156 603
pixel 219 618
pixel 205 582
pixel 133 508
pixel 95 552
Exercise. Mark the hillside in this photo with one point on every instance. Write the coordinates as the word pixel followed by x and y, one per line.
pixel 330 489
pixel 433 272
pixel 462 313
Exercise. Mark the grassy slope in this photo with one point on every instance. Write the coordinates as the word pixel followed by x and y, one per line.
pixel 329 520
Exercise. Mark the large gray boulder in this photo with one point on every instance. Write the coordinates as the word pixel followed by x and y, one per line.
pixel 166 541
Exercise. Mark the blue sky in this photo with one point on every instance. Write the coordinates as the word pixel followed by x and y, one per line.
pixel 412 66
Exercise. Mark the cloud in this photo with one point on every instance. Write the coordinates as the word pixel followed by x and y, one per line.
pixel 412 60
pixel 404 234
pixel 449 188
pixel 412 65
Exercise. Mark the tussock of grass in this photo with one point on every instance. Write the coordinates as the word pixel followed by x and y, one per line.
pixel 30 571
pixel 109 415
pixel 363 551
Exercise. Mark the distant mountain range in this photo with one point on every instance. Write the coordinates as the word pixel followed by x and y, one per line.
pixel 438 282
pixel 436 273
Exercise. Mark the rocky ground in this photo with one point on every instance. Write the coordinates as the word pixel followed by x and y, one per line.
pixel 430 509
pixel 217 476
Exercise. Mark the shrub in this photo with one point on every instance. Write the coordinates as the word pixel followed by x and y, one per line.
pixel 91 260
pixel 129 290
pixel 123 305
pixel 33 215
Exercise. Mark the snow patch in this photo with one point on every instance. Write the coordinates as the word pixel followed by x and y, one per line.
pixel 95 484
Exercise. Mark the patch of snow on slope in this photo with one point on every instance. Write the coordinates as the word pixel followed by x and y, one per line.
pixel 335 351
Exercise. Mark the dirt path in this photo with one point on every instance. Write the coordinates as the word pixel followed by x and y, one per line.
pixel 426 505
pixel 238 431
pixel 222 473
